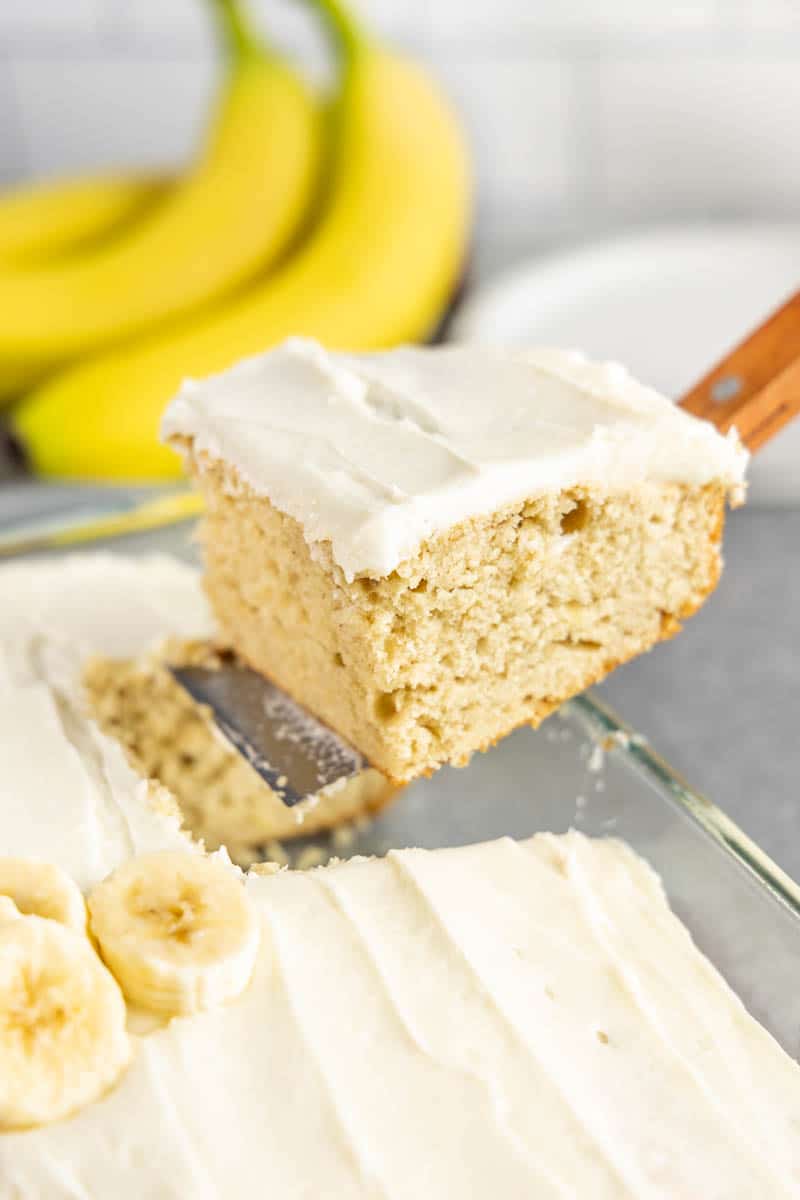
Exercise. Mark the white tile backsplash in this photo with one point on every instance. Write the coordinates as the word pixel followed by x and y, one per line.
pixel 701 133
pixel 190 21
pixel 106 111
pixel 586 20
pixel 48 18
pixel 518 118
pixel 12 147
pixel 584 114
pixel 754 16
pixel 157 19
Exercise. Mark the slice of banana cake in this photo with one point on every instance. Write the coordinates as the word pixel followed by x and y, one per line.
pixel 429 547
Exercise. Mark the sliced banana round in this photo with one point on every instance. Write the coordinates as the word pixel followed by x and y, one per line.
pixel 63 1041
pixel 42 889
pixel 177 929
pixel 8 909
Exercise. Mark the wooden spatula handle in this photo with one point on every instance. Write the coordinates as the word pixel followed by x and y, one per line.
pixel 757 386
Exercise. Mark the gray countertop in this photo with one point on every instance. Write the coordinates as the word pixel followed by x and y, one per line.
pixel 721 702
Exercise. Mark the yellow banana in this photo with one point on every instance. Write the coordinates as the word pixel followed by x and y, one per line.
pixel 230 217
pixel 44 220
pixel 379 269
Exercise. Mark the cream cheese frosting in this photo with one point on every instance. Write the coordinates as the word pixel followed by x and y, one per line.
pixel 515 1019
pixel 374 453
pixel 95 603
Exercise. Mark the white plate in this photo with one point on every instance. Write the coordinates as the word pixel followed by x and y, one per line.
pixel 668 303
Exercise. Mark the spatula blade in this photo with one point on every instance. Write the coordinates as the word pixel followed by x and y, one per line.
pixel 293 752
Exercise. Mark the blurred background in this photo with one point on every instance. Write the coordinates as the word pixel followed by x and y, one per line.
pixel 585 116
pixel 638 195
pixel 675 124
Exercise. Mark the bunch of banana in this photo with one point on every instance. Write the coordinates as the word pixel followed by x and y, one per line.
pixel 177 933
pixel 240 206
pixel 378 267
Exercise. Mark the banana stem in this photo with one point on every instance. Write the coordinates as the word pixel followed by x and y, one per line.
pixel 240 37
pixel 345 29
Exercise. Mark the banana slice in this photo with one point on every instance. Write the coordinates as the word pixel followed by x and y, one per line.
pixel 42 889
pixel 62 1023
pixel 178 931
pixel 8 909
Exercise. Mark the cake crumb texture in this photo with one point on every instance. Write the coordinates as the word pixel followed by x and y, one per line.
pixel 492 624
pixel 169 738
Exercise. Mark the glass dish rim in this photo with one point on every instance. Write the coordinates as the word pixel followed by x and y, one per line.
pixel 611 731
pixel 604 726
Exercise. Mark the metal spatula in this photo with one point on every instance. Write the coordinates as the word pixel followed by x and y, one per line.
pixel 291 750
pixel 756 386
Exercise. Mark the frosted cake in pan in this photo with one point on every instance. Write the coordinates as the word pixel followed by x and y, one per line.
pixel 526 1019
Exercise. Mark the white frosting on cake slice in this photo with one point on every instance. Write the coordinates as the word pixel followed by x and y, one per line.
pixel 376 452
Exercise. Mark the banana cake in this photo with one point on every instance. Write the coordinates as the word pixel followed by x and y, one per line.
pixel 92 635
pixel 521 1019
pixel 429 547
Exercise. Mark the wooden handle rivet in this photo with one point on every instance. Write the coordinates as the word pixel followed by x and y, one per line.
pixel 724 389
pixel 757 386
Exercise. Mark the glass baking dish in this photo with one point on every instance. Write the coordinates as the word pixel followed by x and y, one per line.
pixel 584 768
